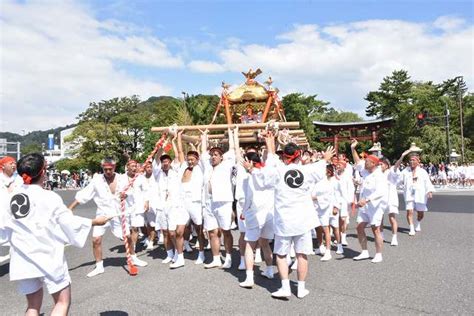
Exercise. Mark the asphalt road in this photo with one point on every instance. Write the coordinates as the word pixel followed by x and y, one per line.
pixel 431 273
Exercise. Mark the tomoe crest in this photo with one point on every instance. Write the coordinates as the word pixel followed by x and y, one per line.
pixel 20 205
pixel 294 178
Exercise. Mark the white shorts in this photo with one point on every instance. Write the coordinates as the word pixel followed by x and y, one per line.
pixel 334 220
pixel 323 216
pixel 419 207
pixel 302 244
pixel 137 220
pixel 392 209
pixel 218 215
pixel 30 286
pixel 264 231
pixel 194 210
pixel 177 216
pixel 115 225
pixel 371 218
pixel 344 211
pixel 150 217
pixel 161 220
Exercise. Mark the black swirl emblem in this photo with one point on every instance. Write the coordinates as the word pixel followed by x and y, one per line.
pixel 20 205
pixel 294 178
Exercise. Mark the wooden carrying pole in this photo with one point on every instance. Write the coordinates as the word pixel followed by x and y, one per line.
pixel 223 127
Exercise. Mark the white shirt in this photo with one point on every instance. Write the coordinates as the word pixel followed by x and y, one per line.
pixel 168 187
pixel 328 194
pixel 392 180
pixel 294 211
pixel 10 183
pixel 191 190
pixel 259 203
pixel 217 180
pixel 375 189
pixel 38 231
pixel 108 204
pixel 146 190
pixel 416 191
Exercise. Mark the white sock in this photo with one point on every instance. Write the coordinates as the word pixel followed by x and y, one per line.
pixel 134 256
pixel 249 274
pixel 412 227
pixel 343 235
pixel 242 259
pixel 216 258
pixel 269 270
pixel 228 256
pixel 180 256
pixel 301 286
pixel 285 284
pixel 170 253
pixel 201 253
pixel 257 252
pixel 99 264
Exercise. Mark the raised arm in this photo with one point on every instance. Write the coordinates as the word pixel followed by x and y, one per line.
pixel 270 142
pixel 238 153
pixel 203 142
pixel 230 134
pixel 355 155
pixel 180 147
pixel 397 164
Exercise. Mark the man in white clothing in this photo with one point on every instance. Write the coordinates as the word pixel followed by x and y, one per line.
pixel 372 202
pixel 9 180
pixel 191 177
pixel 37 226
pixel 417 189
pixel 218 197
pixel 105 190
pixel 257 213
pixel 294 216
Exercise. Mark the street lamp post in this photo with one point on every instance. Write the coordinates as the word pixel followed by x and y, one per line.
pixel 459 78
pixel 448 140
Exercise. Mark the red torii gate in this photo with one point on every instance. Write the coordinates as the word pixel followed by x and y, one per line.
pixel 335 128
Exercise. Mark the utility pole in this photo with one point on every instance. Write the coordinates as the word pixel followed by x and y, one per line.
pixel 448 140
pixel 461 117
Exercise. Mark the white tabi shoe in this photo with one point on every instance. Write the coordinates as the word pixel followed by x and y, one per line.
pixel 394 241
pixel 227 263
pixel 340 249
pixel 363 255
pixel 248 284
pixel 327 256
pixel 377 258
pixel 139 263
pixel 96 271
pixel 282 293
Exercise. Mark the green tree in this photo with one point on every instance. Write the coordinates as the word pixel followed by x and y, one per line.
pixel 400 98
pixel 31 148
pixel 304 109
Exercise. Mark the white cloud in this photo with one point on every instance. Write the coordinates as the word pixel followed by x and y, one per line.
pixel 205 66
pixel 57 57
pixel 342 62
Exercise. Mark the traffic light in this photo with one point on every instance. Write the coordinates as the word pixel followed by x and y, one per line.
pixel 420 120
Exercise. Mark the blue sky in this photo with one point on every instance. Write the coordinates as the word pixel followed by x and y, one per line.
pixel 61 55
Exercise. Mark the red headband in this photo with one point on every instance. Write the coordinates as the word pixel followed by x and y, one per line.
pixel 373 158
pixel 291 158
pixel 108 164
pixel 131 161
pixel 27 178
pixel 5 160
